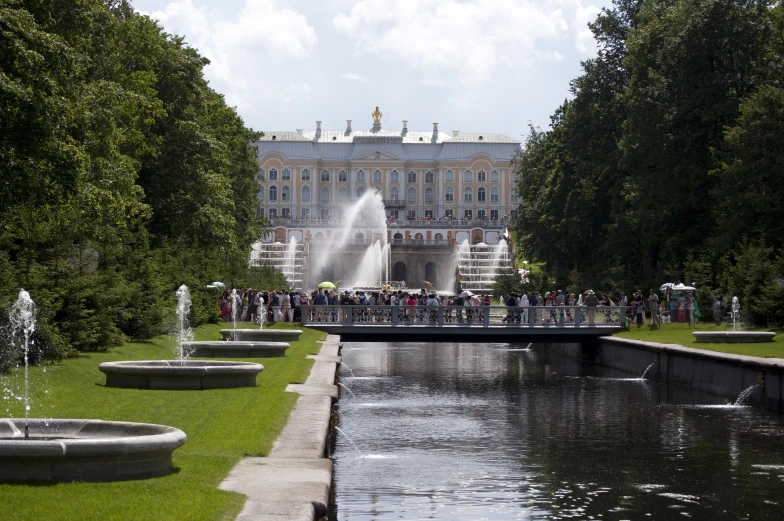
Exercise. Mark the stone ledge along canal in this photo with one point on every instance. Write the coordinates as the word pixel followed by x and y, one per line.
pixel 496 432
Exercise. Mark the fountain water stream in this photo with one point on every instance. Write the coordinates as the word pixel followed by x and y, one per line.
pixel 745 395
pixel 22 317
pixel 184 333
pixel 646 371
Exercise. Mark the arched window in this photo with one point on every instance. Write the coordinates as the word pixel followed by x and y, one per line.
pixel 305 175
pixel 305 194
pixel 273 174
pixel 449 177
pixel 261 194
pixel 342 176
pixel 377 176
pixel 468 194
pixel 449 195
pixel 495 177
pixel 324 194
pixel 494 195
pixel 394 193
pixel 285 175
pixel 361 176
pixel 360 192
pixel 394 176
pixel 468 176
pixel 412 177
pixel 325 176
pixel 481 195
pixel 285 194
pixel 418 237
pixel 260 175
pixel 412 195
pixel 429 195
pixel 342 193
pixel 481 176
pixel 273 191
pixel 429 177
pixel 513 197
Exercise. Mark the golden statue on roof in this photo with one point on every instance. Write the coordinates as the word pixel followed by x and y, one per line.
pixel 376 117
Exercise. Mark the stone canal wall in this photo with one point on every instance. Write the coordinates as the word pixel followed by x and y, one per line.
pixel 718 373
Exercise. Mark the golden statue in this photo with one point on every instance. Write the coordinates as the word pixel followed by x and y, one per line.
pixel 376 117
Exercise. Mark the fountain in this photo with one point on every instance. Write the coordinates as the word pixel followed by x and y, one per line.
pixel 181 374
pixel 734 336
pixel 480 264
pixel 37 449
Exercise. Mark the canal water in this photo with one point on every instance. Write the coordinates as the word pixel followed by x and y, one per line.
pixel 495 432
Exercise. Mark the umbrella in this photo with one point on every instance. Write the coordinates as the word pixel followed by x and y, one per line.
pixel 218 284
pixel 681 287
pixel 666 285
pixel 467 293
pixel 327 284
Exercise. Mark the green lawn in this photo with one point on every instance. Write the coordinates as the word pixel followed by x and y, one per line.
pixel 222 426
pixel 681 334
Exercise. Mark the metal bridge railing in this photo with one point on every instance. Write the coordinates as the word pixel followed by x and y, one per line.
pixel 466 316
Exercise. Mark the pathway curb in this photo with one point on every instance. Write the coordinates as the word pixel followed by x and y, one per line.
pixel 293 482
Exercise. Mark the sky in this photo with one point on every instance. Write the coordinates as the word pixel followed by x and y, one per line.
pixel 490 66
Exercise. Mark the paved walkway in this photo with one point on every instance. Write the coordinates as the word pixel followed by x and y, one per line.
pixel 293 482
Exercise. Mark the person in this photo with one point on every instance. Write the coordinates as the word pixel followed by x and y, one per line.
pixel 591 301
pixel 432 306
pixel 524 306
pixel 639 307
pixel 653 305
pixel 717 310
pixel 511 304
pixel 277 316
pixel 285 307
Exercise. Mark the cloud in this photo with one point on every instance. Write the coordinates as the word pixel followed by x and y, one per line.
pixel 244 50
pixel 353 76
pixel 467 38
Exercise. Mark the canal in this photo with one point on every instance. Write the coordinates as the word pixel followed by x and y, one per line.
pixel 496 432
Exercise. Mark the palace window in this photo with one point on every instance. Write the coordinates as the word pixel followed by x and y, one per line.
pixel 428 214
pixel 305 213
pixel 324 194
pixel 285 213
pixel 449 177
pixel 360 192
pixel 412 195
pixel 468 195
pixel 468 214
pixel 494 195
pixel 412 177
pixel 394 193
pixel 260 194
pixel 495 177
pixel 429 195
pixel 260 211
pixel 513 197
pixel 493 215
pixel 377 176
pixel 305 175
pixel 449 195
pixel 411 215
pixel 305 194
pixel 342 193
pixel 449 213
pixel 480 214
pixel 273 213
pixel 285 175
pixel 429 177
pixel 324 175
pixel 513 214
pixel 468 176
pixel 260 175
pixel 394 215
pixel 481 176
pixel 273 192
pixel 394 176
pixel 481 195
pixel 273 174
pixel 361 176
pixel 285 194
pixel 342 176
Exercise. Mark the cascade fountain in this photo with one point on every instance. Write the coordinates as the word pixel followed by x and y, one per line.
pixel 288 258
pixel 480 264
pixel 734 336
pixel 182 373
pixel 77 450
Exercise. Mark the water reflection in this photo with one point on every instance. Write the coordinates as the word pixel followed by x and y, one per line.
pixel 468 432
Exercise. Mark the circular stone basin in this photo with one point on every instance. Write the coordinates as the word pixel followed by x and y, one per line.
pixel 262 335
pixel 180 375
pixel 733 337
pixel 85 450
pixel 239 349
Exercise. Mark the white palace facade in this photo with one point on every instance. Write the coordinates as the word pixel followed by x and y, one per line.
pixel 431 182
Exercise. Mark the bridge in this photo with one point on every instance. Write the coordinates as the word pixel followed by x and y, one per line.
pixel 465 324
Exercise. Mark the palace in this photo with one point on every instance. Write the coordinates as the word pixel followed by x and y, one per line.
pixel 438 190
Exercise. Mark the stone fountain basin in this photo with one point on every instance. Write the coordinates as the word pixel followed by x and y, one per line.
pixel 180 375
pixel 733 337
pixel 85 450
pixel 262 335
pixel 238 349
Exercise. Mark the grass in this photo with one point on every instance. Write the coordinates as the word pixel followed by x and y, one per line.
pixel 682 334
pixel 222 426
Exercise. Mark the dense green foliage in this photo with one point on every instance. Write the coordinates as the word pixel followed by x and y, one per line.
pixel 122 174
pixel 665 166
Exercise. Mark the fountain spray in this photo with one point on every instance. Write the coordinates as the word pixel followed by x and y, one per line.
pixel 22 317
pixel 184 332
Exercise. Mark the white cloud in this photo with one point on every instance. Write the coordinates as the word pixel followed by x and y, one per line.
pixel 353 76
pixel 464 37
pixel 242 50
